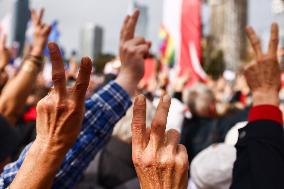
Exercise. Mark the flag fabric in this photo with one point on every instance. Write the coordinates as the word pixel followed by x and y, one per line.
pixel 167 47
pixel 182 21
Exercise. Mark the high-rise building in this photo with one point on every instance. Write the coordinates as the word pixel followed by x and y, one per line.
pixel 91 40
pixel 21 16
pixel 142 26
pixel 228 20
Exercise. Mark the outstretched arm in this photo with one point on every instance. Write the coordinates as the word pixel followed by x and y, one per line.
pixel 103 110
pixel 59 119
pixel 15 93
pixel 132 50
pixel 260 148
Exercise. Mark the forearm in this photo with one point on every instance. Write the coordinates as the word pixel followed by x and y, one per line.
pixel 16 92
pixel 103 110
pixel 128 82
pixel 266 98
pixel 38 169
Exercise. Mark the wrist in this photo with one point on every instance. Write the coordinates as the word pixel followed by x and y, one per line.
pixel 54 152
pixel 45 157
pixel 37 51
pixel 266 98
pixel 128 82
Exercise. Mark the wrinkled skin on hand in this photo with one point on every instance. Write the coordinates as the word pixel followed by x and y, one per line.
pixel 264 75
pixel 60 113
pixel 160 162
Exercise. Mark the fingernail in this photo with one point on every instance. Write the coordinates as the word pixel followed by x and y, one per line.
pixel 166 98
pixel 140 100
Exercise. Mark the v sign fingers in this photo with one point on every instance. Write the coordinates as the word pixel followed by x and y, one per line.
pixel 60 114
pixel 160 162
pixel 264 75
pixel 131 25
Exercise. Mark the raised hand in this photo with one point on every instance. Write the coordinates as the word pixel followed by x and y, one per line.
pixel 59 119
pixel 160 162
pixel 133 51
pixel 264 75
pixel 17 90
pixel 41 32
pixel 4 52
pixel 60 113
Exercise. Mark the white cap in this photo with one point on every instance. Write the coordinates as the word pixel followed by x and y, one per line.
pixel 232 135
pixel 212 168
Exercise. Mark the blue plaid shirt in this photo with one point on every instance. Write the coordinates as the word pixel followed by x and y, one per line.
pixel 103 110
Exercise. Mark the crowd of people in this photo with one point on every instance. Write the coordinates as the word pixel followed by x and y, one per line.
pixel 72 128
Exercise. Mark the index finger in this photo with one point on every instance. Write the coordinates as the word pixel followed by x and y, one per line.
pixel 254 40
pixel 124 28
pixel 274 39
pixel 83 80
pixel 58 72
pixel 36 18
pixel 139 123
pixel 131 25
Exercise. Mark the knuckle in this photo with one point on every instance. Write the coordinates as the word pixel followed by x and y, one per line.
pixel 43 105
pixel 158 122
pixel 173 132
pixel 80 87
pixel 131 51
pixel 59 76
pixel 124 47
pixel 182 164
pixel 169 163
pixel 136 160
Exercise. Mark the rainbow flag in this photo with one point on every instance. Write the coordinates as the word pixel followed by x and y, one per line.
pixel 167 47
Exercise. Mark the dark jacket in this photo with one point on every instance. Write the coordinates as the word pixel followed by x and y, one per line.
pixel 112 168
pixel 199 132
pixel 260 156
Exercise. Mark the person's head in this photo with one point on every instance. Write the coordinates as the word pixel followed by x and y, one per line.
pixel 200 101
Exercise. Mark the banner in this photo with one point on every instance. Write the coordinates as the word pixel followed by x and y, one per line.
pixel 182 21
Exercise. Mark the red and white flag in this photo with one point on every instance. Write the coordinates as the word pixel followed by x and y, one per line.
pixel 182 19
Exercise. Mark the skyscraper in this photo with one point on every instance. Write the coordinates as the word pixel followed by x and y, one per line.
pixel 91 40
pixel 142 26
pixel 21 15
pixel 228 20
